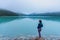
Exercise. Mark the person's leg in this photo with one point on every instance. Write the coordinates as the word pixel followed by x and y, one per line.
pixel 39 32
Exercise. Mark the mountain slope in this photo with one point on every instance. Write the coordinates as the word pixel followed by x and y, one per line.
pixel 7 13
pixel 46 14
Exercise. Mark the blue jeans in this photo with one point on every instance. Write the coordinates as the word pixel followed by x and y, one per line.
pixel 39 32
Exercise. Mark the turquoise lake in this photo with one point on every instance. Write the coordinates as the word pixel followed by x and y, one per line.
pixel 15 26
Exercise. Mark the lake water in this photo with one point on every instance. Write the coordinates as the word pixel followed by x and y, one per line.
pixel 15 26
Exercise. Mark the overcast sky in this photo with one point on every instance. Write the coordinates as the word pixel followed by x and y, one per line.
pixel 31 6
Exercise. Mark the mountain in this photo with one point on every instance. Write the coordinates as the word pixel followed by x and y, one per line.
pixel 21 14
pixel 45 14
pixel 10 13
pixel 7 13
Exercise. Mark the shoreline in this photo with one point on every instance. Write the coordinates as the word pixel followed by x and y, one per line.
pixel 51 37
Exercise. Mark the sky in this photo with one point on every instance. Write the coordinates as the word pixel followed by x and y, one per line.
pixel 31 6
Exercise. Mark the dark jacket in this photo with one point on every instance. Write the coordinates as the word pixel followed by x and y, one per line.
pixel 40 25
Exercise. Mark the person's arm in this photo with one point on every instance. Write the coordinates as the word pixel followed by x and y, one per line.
pixel 41 25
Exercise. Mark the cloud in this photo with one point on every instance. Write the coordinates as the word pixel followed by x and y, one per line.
pixel 29 6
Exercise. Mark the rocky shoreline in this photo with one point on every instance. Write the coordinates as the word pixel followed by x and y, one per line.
pixel 30 38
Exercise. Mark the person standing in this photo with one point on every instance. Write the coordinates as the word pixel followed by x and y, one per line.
pixel 40 25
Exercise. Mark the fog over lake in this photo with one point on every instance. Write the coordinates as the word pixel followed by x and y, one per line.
pixel 31 6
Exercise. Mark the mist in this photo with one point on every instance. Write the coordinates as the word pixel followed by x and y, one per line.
pixel 31 6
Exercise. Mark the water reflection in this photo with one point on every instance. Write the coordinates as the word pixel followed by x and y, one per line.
pixel 51 18
pixel 4 19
